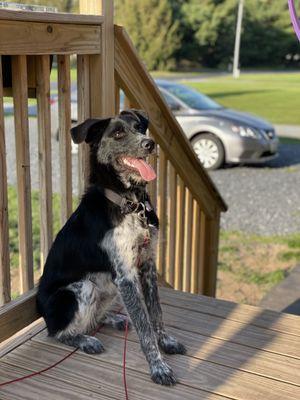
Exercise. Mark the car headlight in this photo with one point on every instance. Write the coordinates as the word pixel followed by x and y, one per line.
pixel 246 131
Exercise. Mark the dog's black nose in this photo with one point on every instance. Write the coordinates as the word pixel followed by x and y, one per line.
pixel 148 144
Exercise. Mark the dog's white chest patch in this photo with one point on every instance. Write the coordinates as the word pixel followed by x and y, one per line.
pixel 124 243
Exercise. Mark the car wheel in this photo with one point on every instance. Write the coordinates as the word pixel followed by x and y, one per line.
pixel 209 149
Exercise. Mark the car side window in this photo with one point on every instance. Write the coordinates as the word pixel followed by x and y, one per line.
pixel 172 103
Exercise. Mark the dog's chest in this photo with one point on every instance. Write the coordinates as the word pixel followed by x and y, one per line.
pixel 130 241
pixel 131 232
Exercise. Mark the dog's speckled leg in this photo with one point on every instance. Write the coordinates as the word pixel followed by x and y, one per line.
pixel 148 277
pixel 160 371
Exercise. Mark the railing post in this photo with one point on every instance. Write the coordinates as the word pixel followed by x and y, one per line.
pixel 211 237
pixel 4 232
pixel 102 83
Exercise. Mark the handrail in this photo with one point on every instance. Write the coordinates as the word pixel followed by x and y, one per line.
pixel 133 77
pixel 63 18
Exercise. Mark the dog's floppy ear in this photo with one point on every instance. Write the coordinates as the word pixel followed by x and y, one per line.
pixel 90 130
pixel 140 115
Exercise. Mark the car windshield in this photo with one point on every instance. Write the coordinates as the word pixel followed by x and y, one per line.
pixel 192 98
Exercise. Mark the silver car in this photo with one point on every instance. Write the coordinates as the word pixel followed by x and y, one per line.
pixel 219 135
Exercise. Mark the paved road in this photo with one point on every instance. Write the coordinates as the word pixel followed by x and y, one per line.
pixel 261 199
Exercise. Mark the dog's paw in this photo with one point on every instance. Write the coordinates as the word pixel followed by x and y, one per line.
pixel 162 374
pixel 170 345
pixel 91 345
pixel 117 321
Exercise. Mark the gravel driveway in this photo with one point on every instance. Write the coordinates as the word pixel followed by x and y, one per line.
pixel 262 199
pixel 33 138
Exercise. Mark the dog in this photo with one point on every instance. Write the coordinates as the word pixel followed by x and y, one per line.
pixel 107 247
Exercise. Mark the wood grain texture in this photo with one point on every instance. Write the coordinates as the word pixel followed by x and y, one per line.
pixel 210 261
pixel 215 378
pixel 171 225
pixel 117 99
pixel 4 233
pixel 152 186
pixel 18 37
pixel 188 231
pixel 40 387
pixel 22 336
pixel 225 359
pixel 83 371
pixel 195 248
pixel 162 213
pixel 63 18
pixel 133 78
pixel 44 149
pixel 83 101
pixel 249 315
pixel 228 354
pixel 232 331
pixel 17 314
pixel 19 78
pixel 180 212
pixel 102 67
pixel 64 102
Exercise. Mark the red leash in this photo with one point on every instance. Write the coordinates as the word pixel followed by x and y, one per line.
pixel 22 378
pixel 124 360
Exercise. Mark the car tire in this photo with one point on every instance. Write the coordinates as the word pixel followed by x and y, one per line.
pixel 212 149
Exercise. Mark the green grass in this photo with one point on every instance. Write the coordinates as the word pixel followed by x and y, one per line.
pixel 250 265
pixel 13 225
pixel 259 278
pixel 271 96
pixel 53 76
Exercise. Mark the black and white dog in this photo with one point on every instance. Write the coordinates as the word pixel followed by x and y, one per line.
pixel 107 247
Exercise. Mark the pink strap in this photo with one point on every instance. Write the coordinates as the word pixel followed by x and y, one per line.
pixel 294 18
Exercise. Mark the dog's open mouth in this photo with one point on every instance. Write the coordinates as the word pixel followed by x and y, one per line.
pixel 139 165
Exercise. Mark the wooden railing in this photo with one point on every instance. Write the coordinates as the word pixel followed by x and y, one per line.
pixel 187 202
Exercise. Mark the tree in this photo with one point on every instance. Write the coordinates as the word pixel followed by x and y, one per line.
pixel 152 28
pixel 267 33
pixel 213 25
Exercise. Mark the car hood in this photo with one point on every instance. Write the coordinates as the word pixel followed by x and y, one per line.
pixel 235 117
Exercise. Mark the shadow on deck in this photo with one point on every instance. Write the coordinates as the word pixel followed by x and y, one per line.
pixel 234 351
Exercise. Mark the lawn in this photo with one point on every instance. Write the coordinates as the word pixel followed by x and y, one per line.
pixel 272 96
pixel 250 265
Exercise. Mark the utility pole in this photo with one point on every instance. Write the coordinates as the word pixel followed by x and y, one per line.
pixel 237 45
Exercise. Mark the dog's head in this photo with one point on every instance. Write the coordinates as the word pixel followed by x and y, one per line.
pixel 120 143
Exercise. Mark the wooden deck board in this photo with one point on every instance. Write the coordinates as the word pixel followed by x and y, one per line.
pixel 234 352
pixel 235 312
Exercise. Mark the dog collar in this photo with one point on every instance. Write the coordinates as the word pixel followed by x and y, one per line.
pixel 127 206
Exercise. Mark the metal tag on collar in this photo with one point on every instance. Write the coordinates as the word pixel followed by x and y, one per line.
pixel 129 206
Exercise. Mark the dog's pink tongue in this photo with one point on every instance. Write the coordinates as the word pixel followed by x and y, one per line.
pixel 145 170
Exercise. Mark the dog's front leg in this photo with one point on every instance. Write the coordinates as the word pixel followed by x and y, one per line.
pixel 148 277
pixel 129 289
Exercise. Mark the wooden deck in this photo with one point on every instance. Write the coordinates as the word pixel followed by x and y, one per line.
pixel 234 352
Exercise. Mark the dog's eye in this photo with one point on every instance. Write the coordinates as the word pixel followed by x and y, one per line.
pixel 119 134
pixel 138 127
